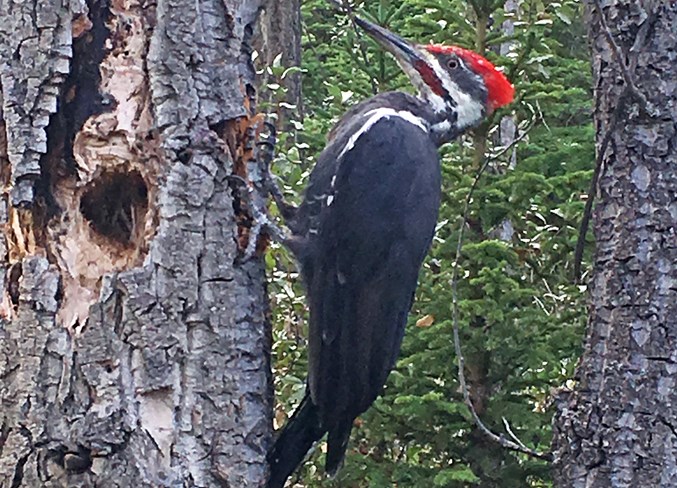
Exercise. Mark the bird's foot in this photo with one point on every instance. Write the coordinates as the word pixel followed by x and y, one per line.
pixel 253 191
pixel 261 221
pixel 264 154
pixel 262 224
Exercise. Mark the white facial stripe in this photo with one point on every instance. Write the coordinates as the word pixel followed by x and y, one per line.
pixel 378 114
pixel 468 110
pixel 436 101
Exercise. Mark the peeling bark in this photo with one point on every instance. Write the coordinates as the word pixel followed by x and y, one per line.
pixel 134 345
pixel 619 427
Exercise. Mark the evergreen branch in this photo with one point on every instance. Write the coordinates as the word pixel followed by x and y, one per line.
pixel 522 58
pixel 499 438
pixel 345 8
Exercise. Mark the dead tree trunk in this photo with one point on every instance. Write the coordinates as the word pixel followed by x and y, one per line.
pixel 134 347
pixel 619 427
pixel 281 37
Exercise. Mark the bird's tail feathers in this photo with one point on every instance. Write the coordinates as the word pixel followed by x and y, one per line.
pixel 297 437
pixel 337 443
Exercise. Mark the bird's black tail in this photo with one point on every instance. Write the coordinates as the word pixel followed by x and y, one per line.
pixel 337 442
pixel 299 434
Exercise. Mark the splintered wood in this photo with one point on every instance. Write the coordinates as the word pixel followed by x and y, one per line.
pixel 241 135
pixel 104 214
pixel 101 179
pixel 138 345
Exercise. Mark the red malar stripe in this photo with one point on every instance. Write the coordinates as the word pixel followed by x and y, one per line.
pixel 430 78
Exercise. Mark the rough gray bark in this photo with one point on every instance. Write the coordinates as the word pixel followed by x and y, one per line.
pixel 134 346
pixel 281 36
pixel 619 427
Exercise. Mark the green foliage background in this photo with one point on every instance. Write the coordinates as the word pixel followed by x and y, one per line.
pixel 522 316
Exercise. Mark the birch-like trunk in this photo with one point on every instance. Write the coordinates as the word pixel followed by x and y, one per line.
pixel 619 427
pixel 134 346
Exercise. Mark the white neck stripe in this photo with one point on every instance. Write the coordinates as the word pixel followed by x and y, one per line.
pixel 378 114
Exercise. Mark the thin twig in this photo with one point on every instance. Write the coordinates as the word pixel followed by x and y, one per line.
pixel 512 434
pixel 592 191
pixel 512 144
pixel 500 439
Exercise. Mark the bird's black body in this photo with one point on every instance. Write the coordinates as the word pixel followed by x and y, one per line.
pixel 361 265
pixel 363 230
pixel 361 235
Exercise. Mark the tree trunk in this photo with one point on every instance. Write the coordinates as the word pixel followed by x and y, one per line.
pixel 619 427
pixel 281 37
pixel 134 346
pixel 508 125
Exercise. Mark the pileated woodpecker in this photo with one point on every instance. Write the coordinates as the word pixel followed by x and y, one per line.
pixel 364 228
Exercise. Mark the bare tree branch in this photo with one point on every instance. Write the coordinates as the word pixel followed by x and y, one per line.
pixel 499 438
pixel 592 191
pixel 508 429
pixel 509 147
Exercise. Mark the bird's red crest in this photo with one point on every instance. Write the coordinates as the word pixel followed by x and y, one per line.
pixel 500 90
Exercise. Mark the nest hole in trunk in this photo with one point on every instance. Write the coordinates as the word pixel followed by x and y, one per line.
pixel 115 205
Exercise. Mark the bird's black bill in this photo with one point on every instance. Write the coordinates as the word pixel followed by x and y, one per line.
pixel 400 48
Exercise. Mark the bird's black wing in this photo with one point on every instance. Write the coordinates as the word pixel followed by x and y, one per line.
pixel 374 228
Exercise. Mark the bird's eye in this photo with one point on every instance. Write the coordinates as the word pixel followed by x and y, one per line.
pixel 452 64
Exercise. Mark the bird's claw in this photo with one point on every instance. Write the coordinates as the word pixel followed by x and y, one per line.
pixel 264 156
pixel 255 202
pixel 261 222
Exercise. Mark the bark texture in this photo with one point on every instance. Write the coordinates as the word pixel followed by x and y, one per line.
pixel 619 427
pixel 134 346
